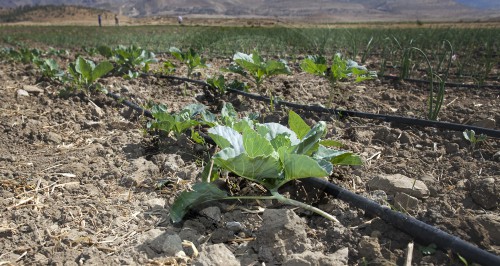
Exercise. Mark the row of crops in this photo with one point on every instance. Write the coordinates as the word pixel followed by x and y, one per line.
pixel 474 51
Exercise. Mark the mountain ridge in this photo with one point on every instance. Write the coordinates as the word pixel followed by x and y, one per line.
pixel 317 9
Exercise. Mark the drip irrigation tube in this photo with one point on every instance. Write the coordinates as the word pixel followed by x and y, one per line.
pixel 447 84
pixel 413 227
pixel 343 113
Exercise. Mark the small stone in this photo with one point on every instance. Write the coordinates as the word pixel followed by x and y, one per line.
pixel 92 124
pixel 156 203
pixel 281 234
pixel 405 138
pixel 369 248
pixel 496 156
pixel 22 93
pixel 451 148
pixel 216 255
pixel 316 258
pixel 52 137
pixel 405 201
pixel 213 213
pixel 97 111
pixel 484 192
pixel 168 244
pixel 32 89
pixel 234 226
pixel 393 184
pixel 491 223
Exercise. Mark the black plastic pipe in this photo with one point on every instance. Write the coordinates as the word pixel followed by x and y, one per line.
pixel 419 230
pixel 447 84
pixel 388 118
pixel 344 113
pixel 130 104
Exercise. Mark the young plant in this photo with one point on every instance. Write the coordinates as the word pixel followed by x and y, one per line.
pixel 130 60
pixel 84 73
pixel 340 69
pixel 269 154
pixel 189 117
pixel 258 69
pixel 219 84
pixel 435 101
pixel 406 58
pixel 50 69
pixel 191 59
pixel 25 55
pixel 470 135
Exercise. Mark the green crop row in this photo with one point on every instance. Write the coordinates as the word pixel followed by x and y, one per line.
pixel 223 41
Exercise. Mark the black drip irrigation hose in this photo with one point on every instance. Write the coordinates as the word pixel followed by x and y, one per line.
pixel 447 84
pixel 344 113
pixel 413 227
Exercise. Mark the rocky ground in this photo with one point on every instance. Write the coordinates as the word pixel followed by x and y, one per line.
pixel 79 178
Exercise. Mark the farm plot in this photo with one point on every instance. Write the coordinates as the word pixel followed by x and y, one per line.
pixel 82 181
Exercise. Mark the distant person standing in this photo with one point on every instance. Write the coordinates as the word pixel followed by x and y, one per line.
pixel 116 20
pixel 179 19
pixel 99 19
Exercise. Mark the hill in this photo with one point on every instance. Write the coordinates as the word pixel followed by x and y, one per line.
pixel 316 10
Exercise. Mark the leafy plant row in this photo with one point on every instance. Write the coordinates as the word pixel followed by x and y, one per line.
pixel 475 48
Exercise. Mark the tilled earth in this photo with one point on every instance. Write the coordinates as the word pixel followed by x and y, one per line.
pixel 80 178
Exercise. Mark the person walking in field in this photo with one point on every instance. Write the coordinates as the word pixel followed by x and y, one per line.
pixel 99 19
pixel 179 19
pixel 116 20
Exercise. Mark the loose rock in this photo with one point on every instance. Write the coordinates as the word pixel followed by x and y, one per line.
pixel 393 184
pixel 405 202
pixel 282 233
pixel 167 244
pixel 485 193
pixel 32 89
pixel 369 248
pixel 212 212
pixel 216 255
pixel 22 93
pixel 309 258
pixel 52 137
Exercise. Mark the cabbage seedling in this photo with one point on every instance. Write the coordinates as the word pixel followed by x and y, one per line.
pixel 85 72
pixel 190 58
pixel 258 69
pixel 255 66
pixel 49 68
pixel 474 139
pixel 341 69
pixel 128 59
pixel 269 154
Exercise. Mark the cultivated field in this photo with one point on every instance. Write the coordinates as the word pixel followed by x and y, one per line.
pixel 87 180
